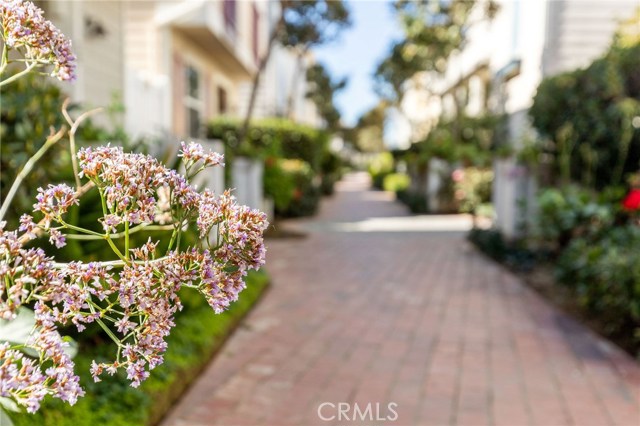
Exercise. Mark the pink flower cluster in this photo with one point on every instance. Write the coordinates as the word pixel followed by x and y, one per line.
pixel 54 201
pixel 192 153
pixel 24 27
pixel 22 378
pixel 134 299
pixel 28 270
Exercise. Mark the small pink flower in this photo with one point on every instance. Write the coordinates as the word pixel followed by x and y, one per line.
pixel 457 175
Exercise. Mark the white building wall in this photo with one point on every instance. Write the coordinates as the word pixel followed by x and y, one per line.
pixel 579 31
pixel 538 38
pixel 95 29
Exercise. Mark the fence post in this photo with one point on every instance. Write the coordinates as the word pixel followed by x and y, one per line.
pixel 247 181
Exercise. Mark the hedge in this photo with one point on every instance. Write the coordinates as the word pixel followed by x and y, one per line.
pixel 298 164
pixel 274 137
pixel 196 337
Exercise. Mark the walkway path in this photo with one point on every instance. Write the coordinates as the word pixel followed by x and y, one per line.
pixel 362 312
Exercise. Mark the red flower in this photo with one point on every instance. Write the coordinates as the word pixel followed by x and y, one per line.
pixel 632 200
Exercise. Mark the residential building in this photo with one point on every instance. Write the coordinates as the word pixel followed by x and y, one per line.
pixel 499 70
pixel 283 84
pixel 175 64
pixel 96 29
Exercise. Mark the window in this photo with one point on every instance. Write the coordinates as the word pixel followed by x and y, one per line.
pixel 229 12
pixel 222 101
pixel 193 101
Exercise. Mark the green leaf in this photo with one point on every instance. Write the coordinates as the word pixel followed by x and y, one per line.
pixel 72 349
pixel 4 419
pixel 18 330
pixel 9 404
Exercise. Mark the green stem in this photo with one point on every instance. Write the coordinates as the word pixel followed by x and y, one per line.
pixel 126 239
pixel 117 263
pixel 104 326
pixel 16 76
pixel 51 140
pixel 83 230
pixel 109 332
pixel 116 250
pixel 133 230
pixel 5 58
pixel 103 201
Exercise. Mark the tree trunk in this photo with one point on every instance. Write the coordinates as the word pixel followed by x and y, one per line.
pixel 293 91
pixel 256 79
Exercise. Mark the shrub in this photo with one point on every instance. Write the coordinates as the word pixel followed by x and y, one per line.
pixel 605 275
pixel 586 116
pixel 291 184
pixel 472 188
pixel 395 182
pixel 331 168
pixel 279 184
pixel 514 254
pixel 416 202
pixel 274 137
pixel 380 166
pixel 571 212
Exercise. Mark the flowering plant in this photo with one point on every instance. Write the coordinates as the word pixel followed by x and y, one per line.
pixel 133 298
pixel 631 201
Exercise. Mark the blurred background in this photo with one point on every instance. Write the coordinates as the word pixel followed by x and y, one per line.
pixel 396 146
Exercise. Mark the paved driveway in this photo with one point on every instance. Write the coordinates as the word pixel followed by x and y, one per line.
pixel 401 317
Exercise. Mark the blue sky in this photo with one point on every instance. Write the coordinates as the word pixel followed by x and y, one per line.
pixel 357 52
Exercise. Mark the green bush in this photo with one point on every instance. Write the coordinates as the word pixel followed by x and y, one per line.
pixel 31 107
pixel 571 212
pixel 605 275
pixel 197 335
pixel 331 168
pixel 417 203
pixel 472 188
pixel 586 117
pixel 514 254
pixel 274 137
pixel 380 166
pixel 290 183
pixel 395 182
pixel 279 185
pixel 469 140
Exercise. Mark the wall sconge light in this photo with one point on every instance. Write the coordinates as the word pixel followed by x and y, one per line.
pixel 93 28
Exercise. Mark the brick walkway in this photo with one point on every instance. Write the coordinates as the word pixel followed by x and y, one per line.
pixel 362 312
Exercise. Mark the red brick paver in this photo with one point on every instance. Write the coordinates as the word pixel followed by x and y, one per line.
pixel 362 312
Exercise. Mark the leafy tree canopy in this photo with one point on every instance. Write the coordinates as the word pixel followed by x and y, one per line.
pixel 433 29
pixel 312 22
pixel 322 90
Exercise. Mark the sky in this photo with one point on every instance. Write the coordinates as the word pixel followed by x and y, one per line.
pixel 357 52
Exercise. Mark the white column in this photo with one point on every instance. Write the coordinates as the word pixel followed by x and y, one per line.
pixel 247 181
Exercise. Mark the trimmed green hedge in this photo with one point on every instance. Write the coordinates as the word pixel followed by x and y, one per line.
pixel 197 335
pixel 274 137
pixel 290 183
pixel 396 182
pixel 298 164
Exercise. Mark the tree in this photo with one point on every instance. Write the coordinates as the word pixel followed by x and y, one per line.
pixel 370 129
pixel 434 30
pixel 329 19
pixel 322 90
pixel 302 24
